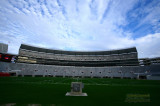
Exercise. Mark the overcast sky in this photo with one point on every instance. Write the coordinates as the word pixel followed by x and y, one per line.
pixel 82 25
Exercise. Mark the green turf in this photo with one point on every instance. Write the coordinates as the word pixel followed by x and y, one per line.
pixel 101 92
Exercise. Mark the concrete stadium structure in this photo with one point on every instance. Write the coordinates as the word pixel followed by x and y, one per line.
pixel 35 61
pixel 123 57
pixel 71 71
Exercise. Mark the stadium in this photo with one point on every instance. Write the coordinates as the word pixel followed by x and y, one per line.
pixel 35 61
pixel 79 53
pixel 42 76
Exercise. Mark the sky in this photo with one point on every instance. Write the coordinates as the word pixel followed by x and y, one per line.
pixel 82 25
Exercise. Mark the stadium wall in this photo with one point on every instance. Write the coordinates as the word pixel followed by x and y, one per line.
pixel 72 71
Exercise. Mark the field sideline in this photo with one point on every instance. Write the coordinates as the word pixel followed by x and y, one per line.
pixel 39 91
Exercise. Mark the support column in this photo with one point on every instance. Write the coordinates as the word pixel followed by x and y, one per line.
pixel 138 76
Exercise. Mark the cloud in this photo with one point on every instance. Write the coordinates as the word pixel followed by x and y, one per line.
pixel 149 46
pixel 86 25
pixel 143 18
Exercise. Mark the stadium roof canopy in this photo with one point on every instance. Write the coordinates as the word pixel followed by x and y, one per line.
pixel 121 51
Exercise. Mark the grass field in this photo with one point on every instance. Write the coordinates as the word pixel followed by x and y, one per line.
pixel 51 91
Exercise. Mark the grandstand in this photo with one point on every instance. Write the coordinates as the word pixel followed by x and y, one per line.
pixel 123 57
pixel 35 61
pixel 149 61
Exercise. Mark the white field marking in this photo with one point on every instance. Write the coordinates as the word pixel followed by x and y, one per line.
pixel 84 83
pixel 92 82
pixel 8 104
pixel 62 80
pixel 55 81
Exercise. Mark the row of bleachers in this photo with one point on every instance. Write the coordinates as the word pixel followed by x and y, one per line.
pixel 35 54
pixel 123 57
pixel 53 70
pixel 131 62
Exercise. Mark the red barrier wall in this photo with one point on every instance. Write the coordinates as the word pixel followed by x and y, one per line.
pixel 2 74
